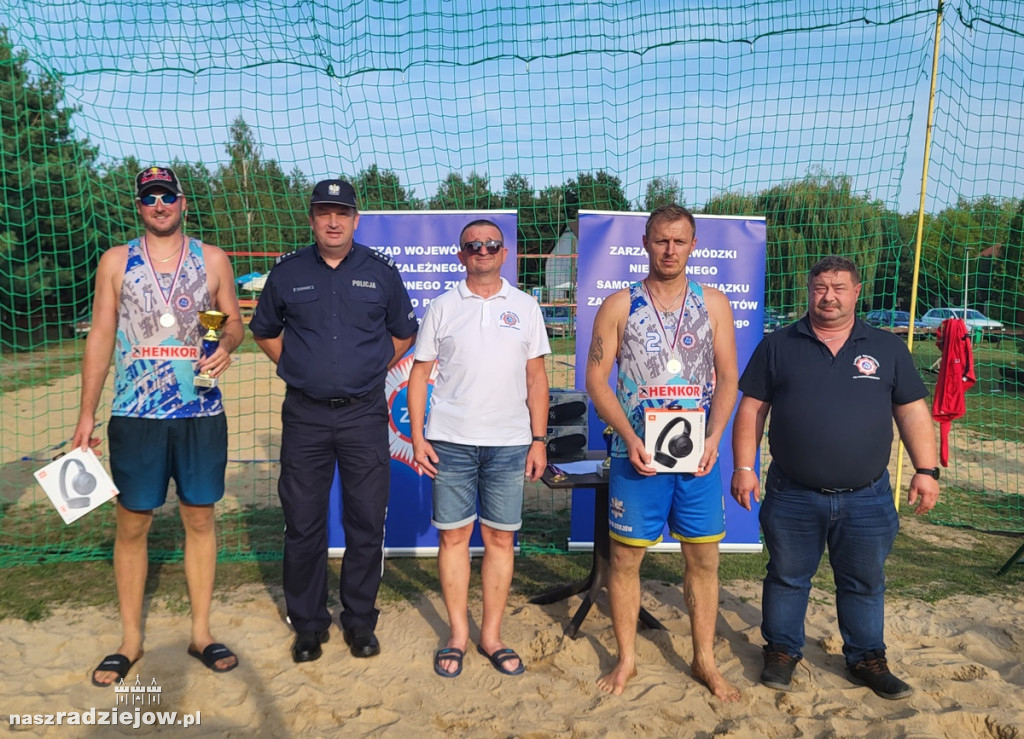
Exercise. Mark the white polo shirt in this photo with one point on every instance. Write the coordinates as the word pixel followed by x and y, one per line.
pixel 481 347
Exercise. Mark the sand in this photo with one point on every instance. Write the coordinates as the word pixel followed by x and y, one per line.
pixel 963 656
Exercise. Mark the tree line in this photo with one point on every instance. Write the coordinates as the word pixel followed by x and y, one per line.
pixel 60 207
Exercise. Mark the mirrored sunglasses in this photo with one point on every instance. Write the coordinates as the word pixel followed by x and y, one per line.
pixel 167 198
pixel 477 247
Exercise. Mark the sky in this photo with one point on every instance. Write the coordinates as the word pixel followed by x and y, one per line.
pixel 733 96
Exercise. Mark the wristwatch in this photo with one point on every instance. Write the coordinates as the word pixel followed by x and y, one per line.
pixel 930 471
pixel 541 439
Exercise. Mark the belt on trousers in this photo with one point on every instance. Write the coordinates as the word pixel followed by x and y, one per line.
pixel 338 402
pixel 833 491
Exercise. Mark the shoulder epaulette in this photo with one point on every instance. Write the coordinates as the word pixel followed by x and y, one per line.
pixel 282 257
pixel 380 256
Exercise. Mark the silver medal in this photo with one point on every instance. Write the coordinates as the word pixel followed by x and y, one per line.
pixel 167 320
pixel 674 365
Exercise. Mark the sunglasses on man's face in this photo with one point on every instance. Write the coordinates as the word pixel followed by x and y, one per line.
pixel 167 198
pixel 477 247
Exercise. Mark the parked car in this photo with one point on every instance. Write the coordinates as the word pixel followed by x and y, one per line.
pixel 889 318
pixel 773 319
pixel 558 320
pixel 79 327
pixel 975 320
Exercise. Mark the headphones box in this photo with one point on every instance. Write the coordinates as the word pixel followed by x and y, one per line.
pixel 76 483
pixel 674 437
pixel 567 408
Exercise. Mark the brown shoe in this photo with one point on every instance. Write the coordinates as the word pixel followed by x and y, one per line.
pixel 874 672
pixel 778 668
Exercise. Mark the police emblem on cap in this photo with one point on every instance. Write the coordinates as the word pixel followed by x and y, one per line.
pixel 334 190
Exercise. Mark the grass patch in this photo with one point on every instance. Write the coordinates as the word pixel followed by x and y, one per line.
pixel 20 370
pixel 928 562
pixel 993 411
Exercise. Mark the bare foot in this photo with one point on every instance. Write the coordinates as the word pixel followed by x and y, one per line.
pixel 717 684
pixel 615 681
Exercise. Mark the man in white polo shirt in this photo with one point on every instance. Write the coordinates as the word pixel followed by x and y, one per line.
pixel 484 435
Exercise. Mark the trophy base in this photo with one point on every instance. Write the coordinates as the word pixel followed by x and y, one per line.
pixel 204 382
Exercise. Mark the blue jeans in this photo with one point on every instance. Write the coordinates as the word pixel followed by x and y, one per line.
pixel 859 528
pixel 491 475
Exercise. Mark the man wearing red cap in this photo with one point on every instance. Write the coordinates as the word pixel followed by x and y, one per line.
pixel 145 314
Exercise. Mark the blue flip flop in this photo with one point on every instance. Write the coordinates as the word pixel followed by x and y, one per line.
pixel 499 657
pixel 452 654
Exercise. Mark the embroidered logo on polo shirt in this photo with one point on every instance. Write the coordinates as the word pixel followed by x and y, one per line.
pixel 303 288
pixel 509 320
pixel 867 366
pixel 365 283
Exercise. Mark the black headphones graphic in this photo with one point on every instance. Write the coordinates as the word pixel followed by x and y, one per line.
pixel 82 483
pixel 679 446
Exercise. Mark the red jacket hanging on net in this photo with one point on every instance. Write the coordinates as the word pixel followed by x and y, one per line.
pixel 956 377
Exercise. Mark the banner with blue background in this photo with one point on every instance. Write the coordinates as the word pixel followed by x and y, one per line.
pixel 425 246
pixel 730 255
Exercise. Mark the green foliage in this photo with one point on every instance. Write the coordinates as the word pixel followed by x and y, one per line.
pixel 46 252
pixel 599 191
pixel 812 218
pixel 662 191
pixel 471 193
pixel 381 189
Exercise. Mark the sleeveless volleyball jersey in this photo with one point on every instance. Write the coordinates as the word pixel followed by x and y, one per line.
pixel 155 363
pixel 647 373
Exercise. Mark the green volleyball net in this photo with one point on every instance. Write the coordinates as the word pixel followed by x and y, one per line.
pixel 811 116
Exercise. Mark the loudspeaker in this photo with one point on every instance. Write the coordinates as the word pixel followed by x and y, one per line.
pixel 567 408
pixel 566 443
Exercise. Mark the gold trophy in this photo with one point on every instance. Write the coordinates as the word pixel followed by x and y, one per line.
pixel 212 321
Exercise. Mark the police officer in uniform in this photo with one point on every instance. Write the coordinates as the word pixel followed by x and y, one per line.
pixel 334 317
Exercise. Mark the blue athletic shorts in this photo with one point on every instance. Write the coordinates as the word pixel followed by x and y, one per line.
pixel 146 453
pixel 497 473
pixel 639 507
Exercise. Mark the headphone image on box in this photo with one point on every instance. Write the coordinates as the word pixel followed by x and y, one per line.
pixel 82 483
pixel 679 446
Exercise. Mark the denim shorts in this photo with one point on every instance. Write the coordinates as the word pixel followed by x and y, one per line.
pixel 640 506
pixel 146 453
pixel 490 477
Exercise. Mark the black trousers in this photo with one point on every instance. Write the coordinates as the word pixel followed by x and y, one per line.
pixel 314 438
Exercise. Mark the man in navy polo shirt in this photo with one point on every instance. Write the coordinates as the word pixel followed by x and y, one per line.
pixel 334 317
pixel 833 385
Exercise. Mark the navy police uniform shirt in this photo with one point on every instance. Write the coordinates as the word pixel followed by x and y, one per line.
pixel 831 416
pixel 338 322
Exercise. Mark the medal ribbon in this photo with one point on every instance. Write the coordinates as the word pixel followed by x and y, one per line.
pixel 661 325
pixel 156 282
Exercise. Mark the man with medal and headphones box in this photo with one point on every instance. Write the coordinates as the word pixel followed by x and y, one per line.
pixel 674 345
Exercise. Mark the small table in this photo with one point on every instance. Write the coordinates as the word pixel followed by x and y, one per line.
pixel 598 577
